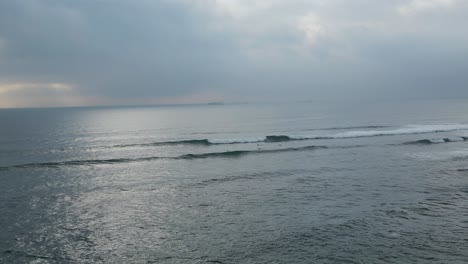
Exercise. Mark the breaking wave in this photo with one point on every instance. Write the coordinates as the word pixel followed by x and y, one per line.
pixel 436 141
pixel 345 128
pixel 421 129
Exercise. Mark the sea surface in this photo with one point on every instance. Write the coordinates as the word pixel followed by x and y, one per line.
pixel 304 182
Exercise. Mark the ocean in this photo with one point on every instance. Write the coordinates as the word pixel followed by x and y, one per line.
pixel 309 182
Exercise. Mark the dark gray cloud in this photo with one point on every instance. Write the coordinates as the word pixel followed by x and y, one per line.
pixel 141 51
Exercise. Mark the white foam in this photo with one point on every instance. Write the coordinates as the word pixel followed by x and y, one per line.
pixel 406 130
pixel 237 141
pixel 456 154
pixel 455 139
pixel 300 137
pixel 437 140
pixel 413 129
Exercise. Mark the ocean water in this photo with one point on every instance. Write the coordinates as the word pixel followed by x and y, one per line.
pixel 247 183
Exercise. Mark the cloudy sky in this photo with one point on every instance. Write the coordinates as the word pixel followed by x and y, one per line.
pixel 101 52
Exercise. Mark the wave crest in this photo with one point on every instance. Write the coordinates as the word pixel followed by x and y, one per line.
pixel 408 130
pixel 436 141
pixel 203 142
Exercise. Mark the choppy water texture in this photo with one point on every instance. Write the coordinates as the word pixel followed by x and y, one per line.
pixel 283 183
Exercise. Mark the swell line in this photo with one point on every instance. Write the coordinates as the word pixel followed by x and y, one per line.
pixel 238 153
pixel 225 154
pixel 202 142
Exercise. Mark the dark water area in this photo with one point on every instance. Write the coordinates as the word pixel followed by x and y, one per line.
pixel 251 183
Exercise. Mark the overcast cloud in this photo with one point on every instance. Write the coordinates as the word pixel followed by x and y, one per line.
pixel 90 52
